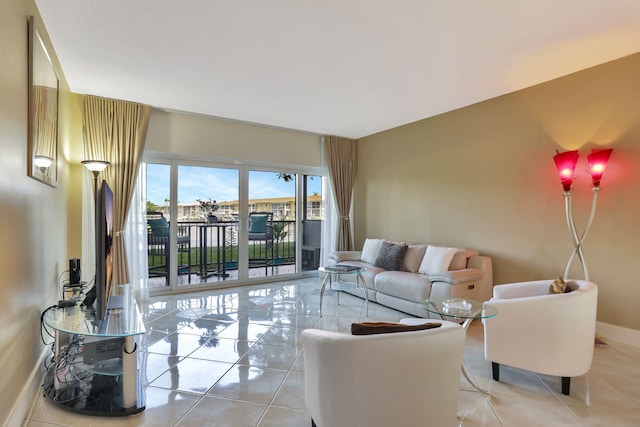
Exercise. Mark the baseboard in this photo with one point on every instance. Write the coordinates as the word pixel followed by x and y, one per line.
pixel 21 410
pixel 606 331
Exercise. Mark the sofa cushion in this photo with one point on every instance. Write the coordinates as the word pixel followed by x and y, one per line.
pixel 459 261
pixel 413 257
pixel 370 328
pixel 405 285
pixel 436 259
pixel 391 256
pixel 370 250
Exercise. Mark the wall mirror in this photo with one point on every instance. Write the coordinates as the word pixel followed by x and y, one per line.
pixel 42 150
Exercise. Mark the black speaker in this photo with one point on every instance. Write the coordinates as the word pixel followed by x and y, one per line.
pixel 74 271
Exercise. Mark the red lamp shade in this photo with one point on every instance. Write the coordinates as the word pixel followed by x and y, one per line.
pixel 597 164
pixel 566 164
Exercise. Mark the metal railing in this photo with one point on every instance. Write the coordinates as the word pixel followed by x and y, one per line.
pixel 209 249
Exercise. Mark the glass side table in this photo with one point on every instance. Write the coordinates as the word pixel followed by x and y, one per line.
pixel 337 270
pixel 463 311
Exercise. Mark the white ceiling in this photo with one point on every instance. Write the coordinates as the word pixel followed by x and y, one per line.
pixel 342 67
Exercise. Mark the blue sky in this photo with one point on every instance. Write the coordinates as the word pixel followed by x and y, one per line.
pixel 195 182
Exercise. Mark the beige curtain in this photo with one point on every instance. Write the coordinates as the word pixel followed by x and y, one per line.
pixel 341 162
pixel 116 131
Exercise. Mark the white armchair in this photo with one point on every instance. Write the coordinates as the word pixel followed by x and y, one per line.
pixel 551 334
pixel 399 379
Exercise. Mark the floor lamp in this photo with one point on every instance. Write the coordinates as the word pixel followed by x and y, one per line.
pixel 95 166
pixel 566 164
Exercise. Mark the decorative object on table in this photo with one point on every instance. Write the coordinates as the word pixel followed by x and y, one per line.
pixel 559 286
pixel 43 110
pixel 208 209
pixel 566 164
pixel 456 304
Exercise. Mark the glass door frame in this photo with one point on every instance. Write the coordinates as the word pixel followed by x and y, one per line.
pixel 243 169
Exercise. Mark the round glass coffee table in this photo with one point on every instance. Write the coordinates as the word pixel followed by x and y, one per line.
pixel 463 311
pixel 460 310
pixel 337 270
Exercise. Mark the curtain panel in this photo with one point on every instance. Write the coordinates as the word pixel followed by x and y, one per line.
pixel 115 131
pixel 341 163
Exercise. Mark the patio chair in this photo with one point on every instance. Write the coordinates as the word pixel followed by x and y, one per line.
pixel 158 246
pixel 261 230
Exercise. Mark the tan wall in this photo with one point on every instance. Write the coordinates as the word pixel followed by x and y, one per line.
pixel 483 177
pixel 193 135
pixel 34 217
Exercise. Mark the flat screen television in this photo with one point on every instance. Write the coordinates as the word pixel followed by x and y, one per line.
pixel 104 248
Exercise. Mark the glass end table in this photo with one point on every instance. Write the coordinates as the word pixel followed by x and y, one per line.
pixel 463 311
pixel 337 270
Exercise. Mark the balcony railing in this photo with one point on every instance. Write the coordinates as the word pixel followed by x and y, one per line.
pixel 211 249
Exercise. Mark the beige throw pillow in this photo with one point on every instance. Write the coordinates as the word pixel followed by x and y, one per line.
pixel 413 257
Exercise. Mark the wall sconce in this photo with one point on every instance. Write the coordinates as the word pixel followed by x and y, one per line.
pixel 566 164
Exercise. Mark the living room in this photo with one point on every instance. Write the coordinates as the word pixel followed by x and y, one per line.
pixel 481 176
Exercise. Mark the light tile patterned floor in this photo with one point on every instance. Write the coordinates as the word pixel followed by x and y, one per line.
pixel 233 358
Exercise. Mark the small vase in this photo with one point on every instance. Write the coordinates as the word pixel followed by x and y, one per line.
pixel 212 219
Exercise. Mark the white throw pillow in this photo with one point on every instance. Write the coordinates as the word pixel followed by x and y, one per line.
pixel 370 250
pixel 436 259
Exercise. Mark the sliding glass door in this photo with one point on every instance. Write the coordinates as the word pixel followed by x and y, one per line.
pixel 208 225
pixel 208 214
pixel 271 223
pixel 312 221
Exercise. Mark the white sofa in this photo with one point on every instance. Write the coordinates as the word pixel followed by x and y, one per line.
pixel 403 379
pixel 547 333
pixel 425 271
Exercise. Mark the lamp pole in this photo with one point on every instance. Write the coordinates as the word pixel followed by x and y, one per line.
pixel 95 166
pixel 566 164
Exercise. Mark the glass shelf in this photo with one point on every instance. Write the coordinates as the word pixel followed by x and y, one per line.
pixel 79 320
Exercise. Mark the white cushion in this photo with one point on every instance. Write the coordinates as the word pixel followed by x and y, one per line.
pixel 370 250
pixel 436 259
pixel 405 285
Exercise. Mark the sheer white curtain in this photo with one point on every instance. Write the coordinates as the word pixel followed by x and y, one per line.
pixel 329 230
pixel 135 237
